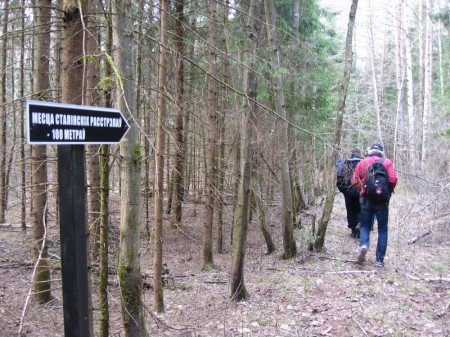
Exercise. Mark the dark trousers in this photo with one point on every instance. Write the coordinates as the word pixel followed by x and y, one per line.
pixel 353 210
pixel 382 213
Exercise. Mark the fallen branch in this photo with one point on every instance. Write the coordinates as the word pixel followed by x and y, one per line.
pixel 429 279
pixel 421 236
pixel 359 325
pixel 351 272
pixel 438 279
pixel 218 281
pixel 38 260
pixel 330 258
pixel 159 321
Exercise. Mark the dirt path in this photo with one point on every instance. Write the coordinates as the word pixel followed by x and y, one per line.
pixel 319 294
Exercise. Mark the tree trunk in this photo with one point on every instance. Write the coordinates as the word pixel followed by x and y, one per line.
pixel 93 171
pixel 129 268
pixel 103 326
pixel 221 163
pixel 158 304
pixel 295 21
pixel 248 119
pixel 289 245
pixel 3 114
pixel 23 181
pixel 376 96
pixel 440 50
pixel 103 329
pixel 212 138
pixel 410 97
pixel 73 85
pixel 330 171
pixel 180 153
pixel 400 74
pixel 270 244
pixel 39 159
pixel 428 87
pixel 421 70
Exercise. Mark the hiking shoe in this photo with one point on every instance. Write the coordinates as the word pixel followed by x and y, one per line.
pixel 379 264
pixel 362 255
pixel 357 231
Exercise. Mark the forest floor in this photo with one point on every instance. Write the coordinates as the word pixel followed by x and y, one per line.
pixel 314 294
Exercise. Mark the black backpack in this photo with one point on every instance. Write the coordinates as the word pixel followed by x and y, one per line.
pixel 377 187
pixel 344 176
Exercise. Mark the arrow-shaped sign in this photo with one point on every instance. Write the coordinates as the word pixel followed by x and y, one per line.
pixel 57 123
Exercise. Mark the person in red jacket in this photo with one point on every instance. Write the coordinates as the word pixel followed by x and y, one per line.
pixel 368 209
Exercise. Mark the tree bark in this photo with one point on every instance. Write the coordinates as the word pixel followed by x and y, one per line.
pixel 92 98
pixel 129 268
pixel 421 70
pixel 270 244
pixel 400 74
pixel 428 87
pixel 289 244
pixel 73 81
pixel 23 177
pixel 212 138
pixel 103 326
pixel 39 159
pixel 180 156
pixel 221 163
pixel 3 114
pixel 410 96
pixel 330 171
pixel 238 289
pixel 376 103
pixel 159 160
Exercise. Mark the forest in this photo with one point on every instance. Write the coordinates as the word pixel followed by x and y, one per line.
pixel 217 213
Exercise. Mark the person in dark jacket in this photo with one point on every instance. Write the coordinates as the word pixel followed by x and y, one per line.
pixel 351 195
pixel 368 209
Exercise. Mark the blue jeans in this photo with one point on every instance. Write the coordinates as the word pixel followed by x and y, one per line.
pixel 368 210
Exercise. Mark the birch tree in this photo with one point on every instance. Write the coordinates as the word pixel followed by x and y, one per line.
pixel 400 72
pixel 330 169
pixel 410 92
pixel 376 103
pixel 428 85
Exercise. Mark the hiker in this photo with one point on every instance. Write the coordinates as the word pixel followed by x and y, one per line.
pixel 351 195
pixel 375 177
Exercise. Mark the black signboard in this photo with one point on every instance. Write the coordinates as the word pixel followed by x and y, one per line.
pixel 56 123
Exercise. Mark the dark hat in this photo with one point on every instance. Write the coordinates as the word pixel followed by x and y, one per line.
pixel 356 152
pixel 376 149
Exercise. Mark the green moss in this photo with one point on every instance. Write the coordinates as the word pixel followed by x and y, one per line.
pixel 137 153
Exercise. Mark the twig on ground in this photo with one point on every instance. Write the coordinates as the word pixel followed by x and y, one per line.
pixel 219 281
pixel 421 236
pixel 438 279
pixel 159 321
pixel 415 278
pixel 38 260
pixel 351 272
pixel 359 325
pixel 331 258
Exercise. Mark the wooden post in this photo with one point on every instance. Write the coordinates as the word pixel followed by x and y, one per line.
pixel 72 208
